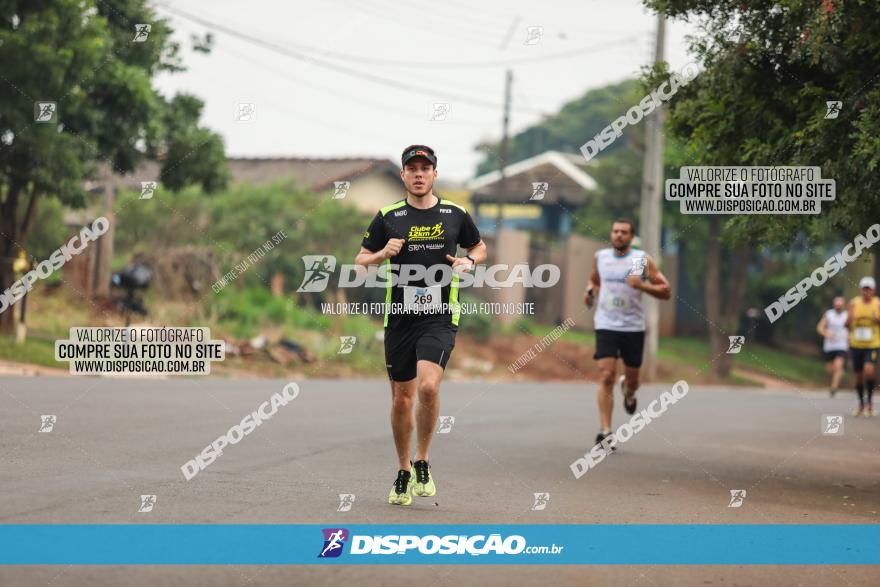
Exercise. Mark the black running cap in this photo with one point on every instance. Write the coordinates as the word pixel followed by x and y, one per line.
pixel 414 151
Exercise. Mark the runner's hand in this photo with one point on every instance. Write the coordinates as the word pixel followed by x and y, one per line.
pixel 392 247
pixel 634 281
pixel 588 298
pixel 462 263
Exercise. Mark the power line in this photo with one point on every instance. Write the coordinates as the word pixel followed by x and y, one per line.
pixel 476 64
pixel 334 66
pixel 459 29
pixel 359 100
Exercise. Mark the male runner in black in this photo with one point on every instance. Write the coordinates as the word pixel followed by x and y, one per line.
pixel 420 320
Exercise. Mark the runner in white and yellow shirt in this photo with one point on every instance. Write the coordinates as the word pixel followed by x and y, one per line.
pixel 863 322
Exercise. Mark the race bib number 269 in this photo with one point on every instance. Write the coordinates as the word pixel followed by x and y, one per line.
pixel 421 299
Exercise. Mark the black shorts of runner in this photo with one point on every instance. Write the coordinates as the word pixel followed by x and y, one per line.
pixel 625 345
pixel 862 356
pixel 831 355
pixel 406 345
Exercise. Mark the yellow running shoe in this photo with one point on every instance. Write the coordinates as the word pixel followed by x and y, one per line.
pixel 869 411
pixel 424 485
pixel 400 491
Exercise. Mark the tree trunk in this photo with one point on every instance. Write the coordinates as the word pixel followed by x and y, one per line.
pixel 717 339
pixel 724 297
pixel 9 248
pixel 876 266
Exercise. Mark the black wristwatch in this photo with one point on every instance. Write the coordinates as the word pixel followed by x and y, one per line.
pixel 474 261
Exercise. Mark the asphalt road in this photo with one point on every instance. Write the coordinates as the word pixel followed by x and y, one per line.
pixel 115 439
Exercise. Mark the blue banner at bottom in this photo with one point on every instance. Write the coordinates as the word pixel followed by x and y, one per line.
pixel 294 544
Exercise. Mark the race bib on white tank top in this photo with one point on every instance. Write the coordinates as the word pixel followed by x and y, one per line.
pixel 619 306
pixel 835 324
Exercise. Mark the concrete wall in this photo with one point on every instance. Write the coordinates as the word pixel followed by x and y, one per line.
pixel 372 192
pixel 576 270
pixel 510 247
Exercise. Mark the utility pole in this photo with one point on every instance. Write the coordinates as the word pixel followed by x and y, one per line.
pixel 649 224
pixel 508 82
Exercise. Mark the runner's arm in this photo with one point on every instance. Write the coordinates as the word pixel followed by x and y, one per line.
pixel 657 284
pixel 820 328
pixel 592 291
pixel 366 257
pixel 476 252
pixel 850 310
pixel 376 246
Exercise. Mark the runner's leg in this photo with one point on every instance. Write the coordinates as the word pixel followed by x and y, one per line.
pixel 428 409
pixel 607 367
pixel 868 378
pixel 402 396
pixel 632 379
pixel 838 372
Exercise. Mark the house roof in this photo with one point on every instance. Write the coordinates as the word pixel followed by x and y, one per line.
pixel 314 174
pixel 568 181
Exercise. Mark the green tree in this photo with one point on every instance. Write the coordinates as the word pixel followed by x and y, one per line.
pixel 769 68
pixel 575 123
pixel 82 55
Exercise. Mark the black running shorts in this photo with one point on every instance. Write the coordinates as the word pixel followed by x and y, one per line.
pixel 862 356
pixel 417 341
pixel 626 345
pixel 829 356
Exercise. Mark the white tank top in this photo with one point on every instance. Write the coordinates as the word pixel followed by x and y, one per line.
pixel 835 324
pixel 620 305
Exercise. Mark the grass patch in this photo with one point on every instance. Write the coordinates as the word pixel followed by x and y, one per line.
pixel 34 351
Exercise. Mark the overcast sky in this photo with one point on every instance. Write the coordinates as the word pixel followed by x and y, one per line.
pixel 353 78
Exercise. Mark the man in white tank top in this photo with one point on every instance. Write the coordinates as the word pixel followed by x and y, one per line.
pixel 620 276
pixel 835 343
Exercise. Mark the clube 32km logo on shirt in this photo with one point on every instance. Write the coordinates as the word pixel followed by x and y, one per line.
pixel 335 540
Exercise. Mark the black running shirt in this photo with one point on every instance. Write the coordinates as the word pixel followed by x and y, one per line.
pixel 429 235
